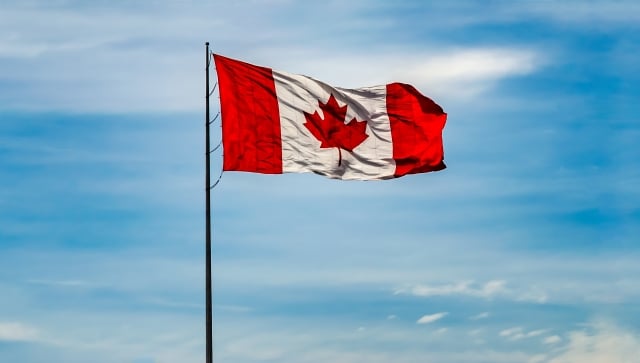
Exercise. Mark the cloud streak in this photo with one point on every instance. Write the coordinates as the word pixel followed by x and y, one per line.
pixel 517 333
pixel 17 332
pixel 483 315
pixel 428 319
pixel 143 68
pixel 470 72
pixel 468 288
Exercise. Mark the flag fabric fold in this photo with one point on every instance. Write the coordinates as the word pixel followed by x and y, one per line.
pixel 275 122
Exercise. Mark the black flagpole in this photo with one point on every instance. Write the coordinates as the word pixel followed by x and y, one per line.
pixel 209 317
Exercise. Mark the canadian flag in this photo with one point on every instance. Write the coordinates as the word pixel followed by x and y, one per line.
pixel 275 122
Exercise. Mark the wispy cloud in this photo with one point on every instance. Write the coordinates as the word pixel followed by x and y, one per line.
pixel 17 332
pixel 144 68
pixel 553 339
pixel 470 72
pixel 487 290
pixel 511 331
pixel 517 333
pixel 483 315
pixel 60 283
pixel 441 331
pixel 534 294
pixel 428 319
pixel 604 343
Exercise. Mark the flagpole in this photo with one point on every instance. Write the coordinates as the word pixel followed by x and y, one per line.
pixel 209 308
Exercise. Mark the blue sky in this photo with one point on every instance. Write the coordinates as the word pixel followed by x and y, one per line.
pixel 524 250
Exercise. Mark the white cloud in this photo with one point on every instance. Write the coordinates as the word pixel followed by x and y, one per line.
pixel 489 289
pixel 510 331
pixel 527 335
pixel 605 344
pixel 534 294
pixel 517 333
pixel 553 339
pixel 492 288
pixel 535 333
pixel 11 331
pixel 480 316
pixel 469 72
pixel 143 67
pixel 441 331
pixel 428 319
pixel 538 358
pixel 453 73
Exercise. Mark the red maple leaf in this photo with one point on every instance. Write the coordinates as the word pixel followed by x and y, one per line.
pixel 332 131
